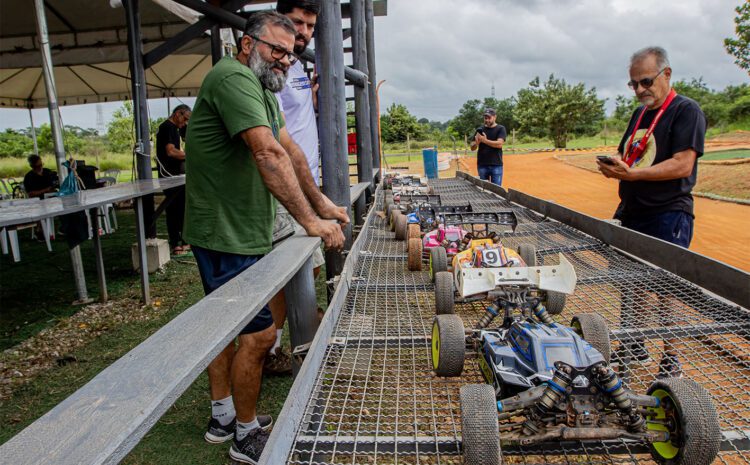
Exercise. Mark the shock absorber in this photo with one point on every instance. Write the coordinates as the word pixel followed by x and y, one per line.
pixel 541 312
pixel 612 385
pixel 492 311
pixel 555 391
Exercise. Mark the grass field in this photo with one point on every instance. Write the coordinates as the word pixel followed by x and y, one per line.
pixel 726 155
pixel 177 437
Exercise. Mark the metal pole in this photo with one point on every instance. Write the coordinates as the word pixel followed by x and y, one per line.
pixel 140 230
pixel 361 95
pixel 56 126
pixel 216 46
pixel 101 277
pixel 374 109
pixel 332 110
pixel 49 85
pixel 301 309
pixel 140 104
pixel 33 133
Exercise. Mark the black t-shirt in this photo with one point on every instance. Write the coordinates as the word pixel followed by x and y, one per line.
pixel 681 127
pixel 35 182
pixel 490 156
pixel 168 133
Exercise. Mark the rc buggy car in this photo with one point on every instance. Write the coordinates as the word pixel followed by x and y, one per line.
pixel 406 184
pixel 549 383
pixel 450 232
pixel 403 204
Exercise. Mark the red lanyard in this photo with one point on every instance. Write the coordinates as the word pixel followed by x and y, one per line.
pixel 633 154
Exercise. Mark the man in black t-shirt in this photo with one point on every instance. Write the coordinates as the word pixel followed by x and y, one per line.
pixel 171 162
pixel 656 177
pixel 655 192
pixel 489 140
pixel 39 180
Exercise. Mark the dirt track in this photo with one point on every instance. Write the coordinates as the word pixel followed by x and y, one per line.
pixel 722 230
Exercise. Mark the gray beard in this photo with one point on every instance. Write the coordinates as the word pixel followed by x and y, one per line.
pixel 264 71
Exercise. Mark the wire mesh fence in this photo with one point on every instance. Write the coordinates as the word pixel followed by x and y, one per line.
pixel 377 400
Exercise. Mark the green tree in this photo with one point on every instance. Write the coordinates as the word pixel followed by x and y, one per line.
pixel 558 110
pixel 121 129
pixel 739 47
pixel 72 142
pixel 398 122
pixel 15 144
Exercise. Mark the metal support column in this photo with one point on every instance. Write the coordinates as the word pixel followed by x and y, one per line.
pixel 33 132
pixel 140 105
pixel 361 97
pixel 302 310
pixel 101 277
pixel 57 135
pixel 332 109
pixel 216 45
pixel 140 230
pixel 374 116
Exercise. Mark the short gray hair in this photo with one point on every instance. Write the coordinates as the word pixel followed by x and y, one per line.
pixel 662 59
pixel 257 24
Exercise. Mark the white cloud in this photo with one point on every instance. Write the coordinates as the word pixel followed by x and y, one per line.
pixel 437 54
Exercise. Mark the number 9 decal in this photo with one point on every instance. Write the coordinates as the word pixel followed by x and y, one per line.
pixel 491 257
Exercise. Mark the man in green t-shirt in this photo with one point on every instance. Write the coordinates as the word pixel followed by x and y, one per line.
pixel 239 156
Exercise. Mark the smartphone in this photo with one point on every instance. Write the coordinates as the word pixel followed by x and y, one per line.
pixel 605 159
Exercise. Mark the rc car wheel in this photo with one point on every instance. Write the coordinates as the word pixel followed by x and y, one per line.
pixel 690 417
pixel 389 215
pixel 555 302
pixel 448 345
pixel 415 254
pixel 528 254
pixel 387 201
pixel 593 329
pixel 400 226
pixel 414 231
pixel 479 426
pixel 444 302
pixel 438 261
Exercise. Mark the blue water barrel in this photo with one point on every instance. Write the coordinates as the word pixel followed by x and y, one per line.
pixel 429 158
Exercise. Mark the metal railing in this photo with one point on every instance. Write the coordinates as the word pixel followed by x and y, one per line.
pixel 102 421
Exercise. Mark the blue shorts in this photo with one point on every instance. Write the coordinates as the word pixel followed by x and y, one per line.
pixel 217 268
pixel 675 226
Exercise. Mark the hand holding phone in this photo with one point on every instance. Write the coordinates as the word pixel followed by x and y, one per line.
pixel 607 160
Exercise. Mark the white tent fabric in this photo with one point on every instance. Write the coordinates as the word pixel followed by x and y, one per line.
pixel 88 39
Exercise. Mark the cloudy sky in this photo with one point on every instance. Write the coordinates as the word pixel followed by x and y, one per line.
pixel 437 54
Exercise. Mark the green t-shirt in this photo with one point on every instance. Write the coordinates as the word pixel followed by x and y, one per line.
pixel 227 206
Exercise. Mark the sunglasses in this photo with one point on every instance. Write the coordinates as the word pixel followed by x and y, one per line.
pixel 645 82
pixel 278 53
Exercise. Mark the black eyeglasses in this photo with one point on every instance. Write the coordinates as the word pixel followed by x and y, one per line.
pixel 645 82
pixel 277 52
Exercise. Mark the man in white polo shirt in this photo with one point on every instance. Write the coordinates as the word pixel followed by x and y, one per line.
pixel 297 104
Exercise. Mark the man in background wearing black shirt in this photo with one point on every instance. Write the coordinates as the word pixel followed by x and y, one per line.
pixel 490 139
pixel 656 178
pixel 172 163
pixel 39 180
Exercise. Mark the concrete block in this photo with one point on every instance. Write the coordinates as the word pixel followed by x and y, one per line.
pixel 157 254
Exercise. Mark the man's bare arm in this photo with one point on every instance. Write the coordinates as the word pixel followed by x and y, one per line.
pixel 320 203
pixel 174 152
pixel 276 169
pixel 679 166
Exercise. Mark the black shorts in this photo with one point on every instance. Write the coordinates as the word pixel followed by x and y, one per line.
pixel 217 268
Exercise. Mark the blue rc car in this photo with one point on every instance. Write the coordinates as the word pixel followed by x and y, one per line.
pixel 549 384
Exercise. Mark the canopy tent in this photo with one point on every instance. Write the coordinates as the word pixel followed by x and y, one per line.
pixel 89 47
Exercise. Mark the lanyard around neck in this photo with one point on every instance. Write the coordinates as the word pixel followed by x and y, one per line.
pixel 633 154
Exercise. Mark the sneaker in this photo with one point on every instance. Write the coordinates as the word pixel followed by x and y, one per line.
pixel 278 363
pixel 248 450
pixel 217 433
pixel 669 367
pixel 635 351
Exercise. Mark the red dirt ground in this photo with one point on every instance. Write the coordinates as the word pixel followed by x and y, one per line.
pixel 722 229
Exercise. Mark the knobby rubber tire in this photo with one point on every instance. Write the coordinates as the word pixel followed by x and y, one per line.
pixel 448 345
pixel 444 301
pixel 594 330
pixel 480 437
pixel 414 249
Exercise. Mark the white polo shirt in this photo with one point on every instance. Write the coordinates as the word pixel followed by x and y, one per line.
pixel 295 100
